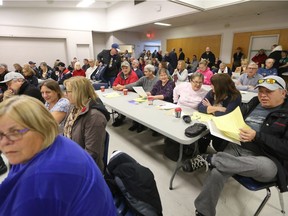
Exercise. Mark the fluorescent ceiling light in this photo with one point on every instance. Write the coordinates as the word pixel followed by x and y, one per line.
pixel 162 24
pixel 188 3
pixel 84 3
pixel 1 2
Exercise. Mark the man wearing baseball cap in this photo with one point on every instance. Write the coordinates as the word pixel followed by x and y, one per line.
pixel 263 153
pixel 126 76
pixel 17 85
pixel 112 60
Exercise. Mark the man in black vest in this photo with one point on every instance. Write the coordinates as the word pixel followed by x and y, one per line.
pixel 112 59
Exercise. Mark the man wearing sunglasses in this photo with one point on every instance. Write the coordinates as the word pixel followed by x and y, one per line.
pixel 263 153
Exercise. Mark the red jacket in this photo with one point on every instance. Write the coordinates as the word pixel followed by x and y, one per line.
pixel 80 72
pixel 259 59
pixel 132 77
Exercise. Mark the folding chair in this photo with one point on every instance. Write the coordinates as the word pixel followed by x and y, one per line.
pixel 254 185
pixel 106 148
pixel 122 207
pixel 98 85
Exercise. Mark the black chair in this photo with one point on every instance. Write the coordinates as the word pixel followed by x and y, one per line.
pixel 98 85
pixel 122 206
pixel 254 185
pixel 106 148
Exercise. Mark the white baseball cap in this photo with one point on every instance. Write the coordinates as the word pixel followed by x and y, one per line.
pixel 12 75
pixel 272 83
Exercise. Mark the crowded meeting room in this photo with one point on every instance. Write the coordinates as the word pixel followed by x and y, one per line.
pixel 143 108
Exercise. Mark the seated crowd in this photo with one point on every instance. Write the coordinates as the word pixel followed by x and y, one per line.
pixel 72 104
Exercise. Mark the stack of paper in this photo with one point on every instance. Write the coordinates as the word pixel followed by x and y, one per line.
pixel 227 126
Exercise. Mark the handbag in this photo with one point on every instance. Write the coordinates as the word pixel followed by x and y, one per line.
pixel 195 129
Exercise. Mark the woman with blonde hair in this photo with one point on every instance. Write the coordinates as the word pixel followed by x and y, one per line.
pixel 180 73
pixel 30 76
pixel 18 68
pixel 87 118
pixel 61 178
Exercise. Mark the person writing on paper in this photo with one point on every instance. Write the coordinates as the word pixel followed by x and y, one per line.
pixel 190 94
pixel 248 81
pixel 263 153
pixel 223 98
pixel 50 174
pixel 163 89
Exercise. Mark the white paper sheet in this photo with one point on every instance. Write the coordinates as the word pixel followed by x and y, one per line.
pixel 140 91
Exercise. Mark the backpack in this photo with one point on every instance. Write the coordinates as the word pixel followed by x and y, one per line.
pixel 171 150
pixel 126 177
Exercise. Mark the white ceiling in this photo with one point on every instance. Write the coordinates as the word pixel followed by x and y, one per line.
pixel 239 10
pixel 56 3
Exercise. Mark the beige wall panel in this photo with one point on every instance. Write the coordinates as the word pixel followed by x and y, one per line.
pixel 195 45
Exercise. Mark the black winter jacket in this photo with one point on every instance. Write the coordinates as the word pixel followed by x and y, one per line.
pixel 111 70
pixel 272 140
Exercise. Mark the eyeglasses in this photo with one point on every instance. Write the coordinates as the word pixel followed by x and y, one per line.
pixel 14 135
pixel 197 83
pixel 252 68
pixel 270 81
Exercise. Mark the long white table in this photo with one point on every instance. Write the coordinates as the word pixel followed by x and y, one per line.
pixel 162 121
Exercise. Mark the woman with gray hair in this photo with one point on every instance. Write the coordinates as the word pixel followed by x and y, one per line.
pixel 190 94
pixel 50 174
pixel 163 89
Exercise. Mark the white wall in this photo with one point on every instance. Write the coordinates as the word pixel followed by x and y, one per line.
pixel 55 18
pixel 71 37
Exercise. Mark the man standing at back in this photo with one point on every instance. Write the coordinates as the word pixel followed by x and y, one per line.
pixel 173 59
pixel 181 55
pixel 276 55
pixel 208 55
pixel 112 59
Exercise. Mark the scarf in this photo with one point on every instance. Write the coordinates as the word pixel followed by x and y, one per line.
pixel 70 121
